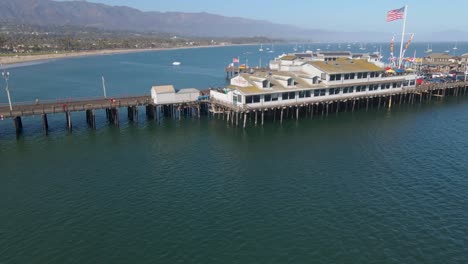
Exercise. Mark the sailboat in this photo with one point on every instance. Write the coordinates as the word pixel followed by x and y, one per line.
pixel 295 48
pixel 455 48
pixel 429 49
pixel 362 47
pixel 261 47
pixel 272 48
pixel 448 50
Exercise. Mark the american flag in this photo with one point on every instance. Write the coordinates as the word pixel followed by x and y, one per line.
pixel 395 14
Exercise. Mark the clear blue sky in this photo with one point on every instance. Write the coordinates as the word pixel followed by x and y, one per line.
pixel 424 16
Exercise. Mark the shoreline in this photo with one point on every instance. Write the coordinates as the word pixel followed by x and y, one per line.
pixel 21 59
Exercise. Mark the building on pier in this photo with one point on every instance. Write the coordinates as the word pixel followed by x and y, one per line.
pixel 312 81
pixel 293 62
pixel 166 94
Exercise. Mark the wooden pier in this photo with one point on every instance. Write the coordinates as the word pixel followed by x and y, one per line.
pixel 239 115
pixel 235 115
pixel 89 106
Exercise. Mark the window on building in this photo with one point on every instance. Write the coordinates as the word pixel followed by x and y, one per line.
pixel 335 77
pixel 412 82
pixel 248 99
pixel 285 96
pixel 346 76
pixel 386 86
pixel 267 98
pixel 321 92
pixel 395 85
pixel 302 94
pixel 352 76
pixel 361 88
pixel 373 87
pixel 359 75
pixel 364 75
pixel 405 83
pixel 274 97
pixel 308 94
pixel 348 89
pixel 292 95
pixel 290 82
pixel 334 91
pixel 256 98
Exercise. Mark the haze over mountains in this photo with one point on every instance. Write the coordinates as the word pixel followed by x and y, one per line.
pixel 82 13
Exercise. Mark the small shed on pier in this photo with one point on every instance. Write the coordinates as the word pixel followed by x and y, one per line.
pixel 166 94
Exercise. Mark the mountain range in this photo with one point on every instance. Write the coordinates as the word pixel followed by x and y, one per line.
pixel 82 13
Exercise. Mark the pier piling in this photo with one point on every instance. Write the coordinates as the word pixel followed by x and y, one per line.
pixel 69 121
pixel 18 125
pixel 45 124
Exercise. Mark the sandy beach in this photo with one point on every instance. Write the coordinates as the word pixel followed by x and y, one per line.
pixel 16 59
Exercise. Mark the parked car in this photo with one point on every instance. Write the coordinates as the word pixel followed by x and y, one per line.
pixel 438 80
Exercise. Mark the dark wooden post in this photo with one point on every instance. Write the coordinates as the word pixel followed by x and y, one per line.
pixel 18 125
pixel 45 124
pixel 69 121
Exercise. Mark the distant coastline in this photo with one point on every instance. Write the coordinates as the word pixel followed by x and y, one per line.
pixel 20 59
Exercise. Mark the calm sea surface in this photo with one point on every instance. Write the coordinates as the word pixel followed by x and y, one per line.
pixel 364 187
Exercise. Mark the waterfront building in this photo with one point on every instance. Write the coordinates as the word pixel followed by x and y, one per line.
pixel 292 62
pixel 464 59
pixel 440 62
pixel 294 79
pixel 166 94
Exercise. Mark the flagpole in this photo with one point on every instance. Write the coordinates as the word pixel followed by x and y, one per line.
pixel 403 37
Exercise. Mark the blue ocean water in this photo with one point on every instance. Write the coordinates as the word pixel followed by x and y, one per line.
pixel 365 187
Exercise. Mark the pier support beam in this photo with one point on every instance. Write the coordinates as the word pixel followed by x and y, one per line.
pixel 115 116
pixel 91 118
pixel 281 118
pixel 132 112
pixel 18 125
pixel 69 121
pixel 263 115
pixel 45 124
pixel 150 111
pixel 245 119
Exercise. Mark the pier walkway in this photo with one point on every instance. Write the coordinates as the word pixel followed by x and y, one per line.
pixel 71 105
pixel 238 115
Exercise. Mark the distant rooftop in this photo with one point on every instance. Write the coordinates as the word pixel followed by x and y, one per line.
pixel 345 66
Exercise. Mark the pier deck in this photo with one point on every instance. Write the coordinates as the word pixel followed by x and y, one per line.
pixel 235 114
pixel 63 106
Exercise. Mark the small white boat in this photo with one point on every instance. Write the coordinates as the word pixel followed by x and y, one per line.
pixel 176 63
pixel 261 48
